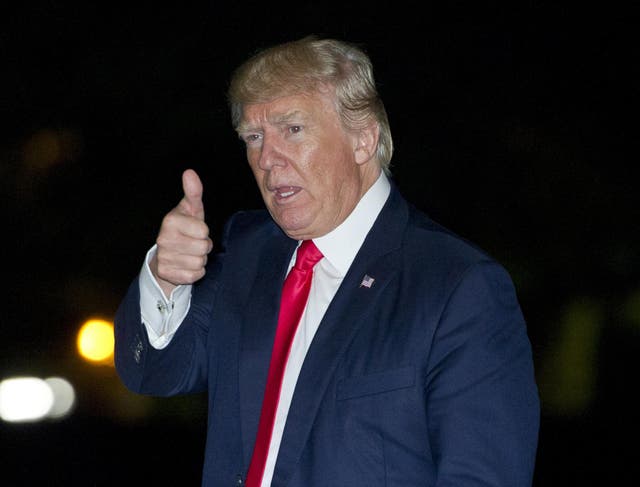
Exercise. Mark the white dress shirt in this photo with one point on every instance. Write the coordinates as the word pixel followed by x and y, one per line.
pixel 162 316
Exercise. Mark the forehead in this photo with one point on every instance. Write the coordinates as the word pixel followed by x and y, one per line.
pixel 299 107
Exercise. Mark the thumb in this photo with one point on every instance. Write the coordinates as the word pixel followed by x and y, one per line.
pixel 192 187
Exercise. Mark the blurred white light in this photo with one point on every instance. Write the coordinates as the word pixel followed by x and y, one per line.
pixel 25 399
pixel 64 397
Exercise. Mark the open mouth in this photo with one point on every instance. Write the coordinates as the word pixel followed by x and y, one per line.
pixel 285 192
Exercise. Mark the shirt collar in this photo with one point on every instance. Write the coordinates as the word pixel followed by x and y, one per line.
pixel 341 245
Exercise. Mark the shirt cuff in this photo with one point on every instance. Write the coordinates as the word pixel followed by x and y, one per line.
pixel 161 316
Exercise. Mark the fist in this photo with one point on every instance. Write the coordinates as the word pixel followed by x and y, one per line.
pixel 183 240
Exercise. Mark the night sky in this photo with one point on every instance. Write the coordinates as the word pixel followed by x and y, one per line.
pixel 511 127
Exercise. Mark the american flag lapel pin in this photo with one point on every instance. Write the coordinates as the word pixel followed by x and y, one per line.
pixel 367 281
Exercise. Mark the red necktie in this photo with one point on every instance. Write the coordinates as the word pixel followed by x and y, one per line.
pixel 294 298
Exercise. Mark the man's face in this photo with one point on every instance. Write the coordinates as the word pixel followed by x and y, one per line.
pixel 307 166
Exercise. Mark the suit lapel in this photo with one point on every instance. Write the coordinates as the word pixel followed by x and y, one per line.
pixel 350 308
pixel 258 332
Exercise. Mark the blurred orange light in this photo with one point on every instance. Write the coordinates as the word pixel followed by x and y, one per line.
pixel 95 341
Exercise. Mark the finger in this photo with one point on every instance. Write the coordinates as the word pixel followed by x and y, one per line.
pixel 176 224
pixel 182 244
pixel 181 262
pixel 192 187
pixel 180 269
pixel 180 276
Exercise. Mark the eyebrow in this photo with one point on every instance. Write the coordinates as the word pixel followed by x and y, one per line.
pixel 277 119
pixel 288 117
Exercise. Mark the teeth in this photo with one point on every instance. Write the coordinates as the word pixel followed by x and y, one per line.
pixel 286 191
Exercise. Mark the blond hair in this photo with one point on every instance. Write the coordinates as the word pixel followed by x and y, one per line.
pixel 311 64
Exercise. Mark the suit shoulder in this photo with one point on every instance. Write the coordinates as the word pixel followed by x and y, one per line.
pixel 435 253
pixel 247 225
pixel 429 239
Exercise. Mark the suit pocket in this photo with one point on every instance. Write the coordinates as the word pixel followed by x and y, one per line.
pixel 376 383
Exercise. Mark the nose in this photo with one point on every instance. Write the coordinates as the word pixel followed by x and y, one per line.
pixel 271 154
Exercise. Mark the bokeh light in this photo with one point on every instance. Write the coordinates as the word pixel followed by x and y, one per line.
pixel 64 397
pixel 631 309
pixel 25 399
pixel 48 147
pixel 568 373
pixel 29 399
pixel 95 341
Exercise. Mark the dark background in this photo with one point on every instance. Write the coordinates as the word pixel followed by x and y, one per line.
pixel 511 127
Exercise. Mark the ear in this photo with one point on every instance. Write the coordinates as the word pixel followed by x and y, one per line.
pixel 366 143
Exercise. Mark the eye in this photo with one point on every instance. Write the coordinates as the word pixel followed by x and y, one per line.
pixel 251 138
pixel 295 129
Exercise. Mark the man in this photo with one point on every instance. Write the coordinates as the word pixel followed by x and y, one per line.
pixel 410 364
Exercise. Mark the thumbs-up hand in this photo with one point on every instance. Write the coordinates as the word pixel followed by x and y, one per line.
pixel 191 204
pixel 183 240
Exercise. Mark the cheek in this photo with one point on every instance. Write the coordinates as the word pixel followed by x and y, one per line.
pixel 255 169
pixel 252 159
pixel 335 169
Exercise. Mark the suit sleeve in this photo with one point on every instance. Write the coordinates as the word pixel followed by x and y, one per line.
pixel 183 366
pixel 482 400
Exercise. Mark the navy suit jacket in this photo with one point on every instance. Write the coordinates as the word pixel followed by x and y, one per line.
pixel 423 379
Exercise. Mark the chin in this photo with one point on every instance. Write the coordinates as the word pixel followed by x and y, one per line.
pixel 290 223
pixel 293 231
pixel 296 232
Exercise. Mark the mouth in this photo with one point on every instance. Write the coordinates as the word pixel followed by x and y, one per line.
pixel 284 193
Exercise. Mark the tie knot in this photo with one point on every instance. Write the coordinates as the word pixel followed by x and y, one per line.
pixel 307 255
